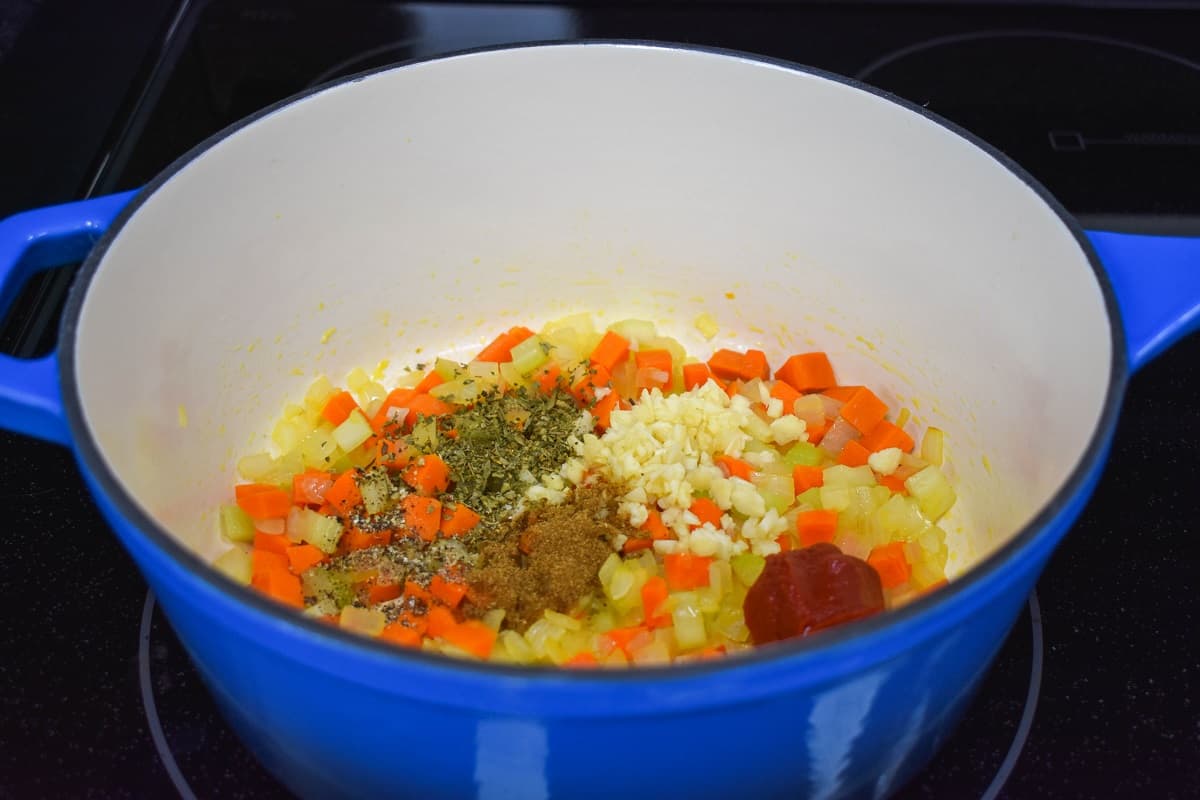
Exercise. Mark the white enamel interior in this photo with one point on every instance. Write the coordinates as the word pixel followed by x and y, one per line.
pixel 420 210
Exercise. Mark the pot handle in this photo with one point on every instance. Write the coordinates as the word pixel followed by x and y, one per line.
pixel 1157 283
pixel 30 401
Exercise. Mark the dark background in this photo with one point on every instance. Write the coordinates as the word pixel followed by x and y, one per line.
pixel 96 97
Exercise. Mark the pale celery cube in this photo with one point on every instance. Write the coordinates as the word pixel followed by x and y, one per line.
pixel 353 432
pixel 236 525
pixel 236 564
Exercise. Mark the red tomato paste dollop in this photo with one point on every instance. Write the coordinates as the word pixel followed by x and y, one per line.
pixel 806 590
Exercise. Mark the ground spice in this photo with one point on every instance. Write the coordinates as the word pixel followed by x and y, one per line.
pixel 549 557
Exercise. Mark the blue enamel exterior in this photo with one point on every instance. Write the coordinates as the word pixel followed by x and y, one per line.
pixel 850 713
pixel 30 400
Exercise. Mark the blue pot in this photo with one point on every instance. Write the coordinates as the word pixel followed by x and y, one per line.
pixel 656 158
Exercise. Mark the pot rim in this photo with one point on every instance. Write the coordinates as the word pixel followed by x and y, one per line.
pixel 918 614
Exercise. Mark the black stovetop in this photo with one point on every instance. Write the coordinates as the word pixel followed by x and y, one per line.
pixel 1095 693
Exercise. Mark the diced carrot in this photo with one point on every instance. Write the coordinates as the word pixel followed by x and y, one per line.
pixel 896 485
pixel 636 544
pixel 308 488
pixel 864 410
pixel 344 494
pixel 426 405
pixel 356 539
pixel 414 589
pixel 338 407
pixel 695 375
pixel 732 365
pixel 441 619
pixel 302 556
pixel 397 398
pixel 594 378
pixel 655 526
pixel 547 378
pixel 653 359
pixel 284 587
pixel 853 454
pixel 382 592
pixel 654 594
pixel 784 540
pixel 263 562
pixel 886 434
pixel 501 347
pixel 394 455
pixel 431 380
pixel 842 393
pixel 612 349
pixel 422 515
pixel 272 543
pixel 399 633
pixel 816 526
pixel 457 519
pixel 686 571
pixel 805 477
pixel 262 500
pixel 706 511
pixel 784 391
pixel 734 467
pixel 449 592
pixel 889 561
pixel 603 409
pixel 581 659
pixel 807 372
pixel 622 637
pixel 472 636
pixel 756 365
pixel 716 651
pixel 429 475
pixel 817 432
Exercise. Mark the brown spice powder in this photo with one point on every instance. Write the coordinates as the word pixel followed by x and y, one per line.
pixel 547 558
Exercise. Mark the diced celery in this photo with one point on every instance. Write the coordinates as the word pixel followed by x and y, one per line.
pixel 448 370
pixel 608 568
pixel 484 372
pixel 368 621
pixel 778 491
pixel 835 498
pixel 357 379
pixel 689 627
pixel 318 393
pixel 353 432
pixel 460 390
pixel 900 518
pixel 810 497
pixel 635 330
pixel 319 448
pixel 236 525
pixel 494 618
pixel 530 354
pixel 255 466
pixel 288 433
pixel 747 567
pixel 376 489
pixel 516 648
pixel 425 435
pixel 235 563
pixel 931 446
pixel 326 584
pixel 841 475
pixel 802 454
pixel 322 532
pixel 932 492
